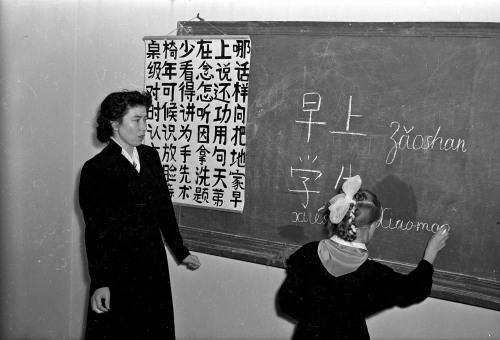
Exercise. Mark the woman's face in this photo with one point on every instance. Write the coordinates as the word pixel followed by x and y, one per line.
pixel 132 130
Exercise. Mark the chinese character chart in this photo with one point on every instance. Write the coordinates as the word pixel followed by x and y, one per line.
pixel 197 122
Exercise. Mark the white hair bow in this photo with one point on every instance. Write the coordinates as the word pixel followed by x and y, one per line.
pixel 339 204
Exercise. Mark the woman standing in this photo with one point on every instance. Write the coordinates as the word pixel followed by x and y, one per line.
pixel 128 215
pixel 332 285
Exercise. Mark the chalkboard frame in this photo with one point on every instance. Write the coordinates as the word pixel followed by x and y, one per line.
pixel 447 286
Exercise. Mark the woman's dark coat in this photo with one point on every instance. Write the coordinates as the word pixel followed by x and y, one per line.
pixel 126 215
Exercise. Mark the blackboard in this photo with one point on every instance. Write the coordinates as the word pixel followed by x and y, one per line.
pixel 413 108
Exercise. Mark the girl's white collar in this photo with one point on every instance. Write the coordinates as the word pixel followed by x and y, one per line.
pixel 337 239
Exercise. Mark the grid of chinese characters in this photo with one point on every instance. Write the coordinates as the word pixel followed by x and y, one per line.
pixel 198 118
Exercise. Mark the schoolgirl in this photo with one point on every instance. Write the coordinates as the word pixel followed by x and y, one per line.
pixel 332 285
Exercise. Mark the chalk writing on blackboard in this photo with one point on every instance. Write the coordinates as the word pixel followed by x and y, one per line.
pixel 308 217
pixel 308 174
pixel 311 102
pixel 402 138
pixel 305 174
pixel 318 217
pixel 407 225
pixel 348 122
pixel 342 176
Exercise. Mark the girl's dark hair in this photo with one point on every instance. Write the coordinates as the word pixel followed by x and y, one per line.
pixel 366 211
pixel 114 107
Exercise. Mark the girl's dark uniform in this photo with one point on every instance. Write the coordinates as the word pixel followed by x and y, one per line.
pixel 126 215
pixel 329 307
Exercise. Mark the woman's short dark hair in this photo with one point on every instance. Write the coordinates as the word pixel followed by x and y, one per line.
pixel 114 107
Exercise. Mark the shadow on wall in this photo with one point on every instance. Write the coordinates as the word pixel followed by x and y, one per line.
pixel 395 193
pixel 85 274
pixel 81 224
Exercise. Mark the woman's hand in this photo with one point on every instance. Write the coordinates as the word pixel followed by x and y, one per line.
pixel 101 300
pixel 192 262
pixel 436 243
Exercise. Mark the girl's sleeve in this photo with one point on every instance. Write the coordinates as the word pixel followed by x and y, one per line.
pixel 99 220
pixel 169 227
pixel 390 288
pixel 292 294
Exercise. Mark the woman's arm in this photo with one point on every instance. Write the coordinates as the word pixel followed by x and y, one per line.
pixel 99 219
pixel 168 224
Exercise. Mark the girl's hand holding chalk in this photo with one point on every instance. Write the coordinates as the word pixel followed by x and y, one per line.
pixel 436 243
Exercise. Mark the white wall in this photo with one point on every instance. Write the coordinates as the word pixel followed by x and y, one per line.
pixel 59 59
pixel 36 174
pixel 227 299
